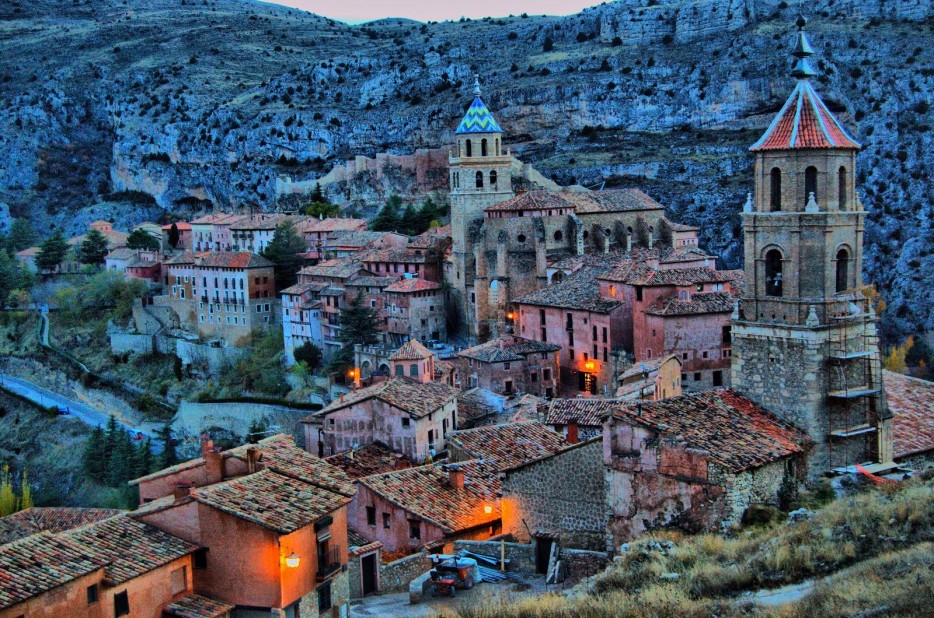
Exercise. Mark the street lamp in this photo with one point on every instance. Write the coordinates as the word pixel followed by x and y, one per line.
pixel 487 509
pixel 292 560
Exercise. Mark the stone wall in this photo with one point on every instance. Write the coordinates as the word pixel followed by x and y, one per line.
pixel 521 556
pixel 395 576
pixel 757 486
pixel 355 573
pixel 130 343
pixel 582 563
pixel 193 418
pixel 563 495
pixel 211 358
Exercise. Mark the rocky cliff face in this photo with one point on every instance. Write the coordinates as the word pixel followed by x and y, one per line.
pixel 182 105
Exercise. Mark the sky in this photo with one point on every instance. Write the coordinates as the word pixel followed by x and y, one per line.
pixel 355 11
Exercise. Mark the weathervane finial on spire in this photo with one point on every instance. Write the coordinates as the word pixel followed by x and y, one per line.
pixel 476 85
pixel 802 51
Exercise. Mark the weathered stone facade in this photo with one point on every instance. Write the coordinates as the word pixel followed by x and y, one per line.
pixel 563 495
pixel 396 576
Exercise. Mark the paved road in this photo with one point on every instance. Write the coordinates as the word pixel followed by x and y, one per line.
pixel 45 397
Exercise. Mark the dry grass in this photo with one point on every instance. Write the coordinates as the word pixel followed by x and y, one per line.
pixel 878 543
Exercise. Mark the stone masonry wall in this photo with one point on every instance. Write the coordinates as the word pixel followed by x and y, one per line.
pixel 395 576
pixel 521 556
pixel 581 563
pixel 564 495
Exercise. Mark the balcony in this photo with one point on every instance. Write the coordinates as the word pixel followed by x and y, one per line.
pixel 329 562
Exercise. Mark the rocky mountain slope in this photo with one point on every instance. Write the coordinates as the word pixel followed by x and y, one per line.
pixel 130 108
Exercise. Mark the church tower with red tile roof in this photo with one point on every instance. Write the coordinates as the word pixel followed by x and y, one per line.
pixel 804 336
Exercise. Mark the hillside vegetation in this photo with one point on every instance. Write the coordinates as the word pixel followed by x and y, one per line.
pixel 871 554
pixel 129 110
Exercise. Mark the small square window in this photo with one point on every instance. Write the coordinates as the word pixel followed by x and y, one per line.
pixel 415 529
pixel 697 376
pixel 386 520
pixel 406 422
pixel 201 558
pixel 371 516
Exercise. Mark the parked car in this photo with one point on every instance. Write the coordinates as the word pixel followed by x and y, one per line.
pixel 63 410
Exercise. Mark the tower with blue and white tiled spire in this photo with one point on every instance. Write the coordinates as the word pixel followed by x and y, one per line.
pixel 480 176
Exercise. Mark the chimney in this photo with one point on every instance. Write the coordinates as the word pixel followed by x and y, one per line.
pixel 182 490
pixel 252 456
pixel 572 432
pixel 207 446
pixel 456 477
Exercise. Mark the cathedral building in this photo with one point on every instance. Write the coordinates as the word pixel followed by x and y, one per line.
pixel 804 340
pixel 509 224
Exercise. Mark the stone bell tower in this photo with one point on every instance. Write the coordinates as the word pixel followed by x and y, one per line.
pixel 480 176
pixel 804 337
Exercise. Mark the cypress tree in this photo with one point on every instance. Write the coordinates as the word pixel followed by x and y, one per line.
pixel 169 456
pixel 95 458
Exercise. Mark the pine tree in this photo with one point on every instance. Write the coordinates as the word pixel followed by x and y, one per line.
pixel 358 325
pixel 95 458
pixel 310 354
pixel 283 250
pixel 21 236
pixel 52 252
pixel 174 236
pixel 120 467
pixel 141 239
pixel 94 248
pixel 317 196
pixel 387 220
pixel 409 222
pixel 169 456
pixel 257 431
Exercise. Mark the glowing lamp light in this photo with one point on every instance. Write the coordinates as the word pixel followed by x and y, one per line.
pixel 589 365
pixel 487 509
pixel 292 560
pixel 510 315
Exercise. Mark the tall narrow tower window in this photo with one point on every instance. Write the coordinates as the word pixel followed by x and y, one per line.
pixel 773 273
pixel 493 179
pixel 810 183
pixel 843 270
pixel 468 146
pixel 496 148
pixel 483 147
pixel 841 188
pixel 479 180
pixel 775 202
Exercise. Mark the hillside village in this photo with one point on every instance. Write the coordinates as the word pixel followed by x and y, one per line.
pixel 519 389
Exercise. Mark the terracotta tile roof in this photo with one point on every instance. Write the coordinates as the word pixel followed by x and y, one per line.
pixel 272 500
pixel 737 433
pixel 682 227
pixel 426 491
pixel 50 519
pixel 39 563
pixel 219 218
pixel 579 291
pixel 413 397
pixel 911 402
pixel 264 221
pixel 505 446
pixel 279 454
pixel 476 404
pixel 332 224
pixel 411 350
pixel 583 202
pixel 179 225
pixel 690 254
pixel 197 606
pixel 642 273
pixel 436 237
pixel 507 348
pixel 353 239
pixel 370 281
pixel 586 412
pixel 374 458
pixel 415 284
pixel 129 547
pixel 230 259
pixel 183 257
pixel 301 288
pixel 401 256
pixel 648 365
pixel 338 268
pixel 122 253
pixel 805 122
pixel 699 303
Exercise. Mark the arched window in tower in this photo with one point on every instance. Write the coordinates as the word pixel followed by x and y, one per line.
pixel 843 270
pixel 775 189
pixel 494 292
pixel 773 273
pixel 810 183
pixel 493 179
pixel 496 148
pixel 558 235
pixel 468 146
pixel 483 147
pixel 841 188
pixel 479 180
